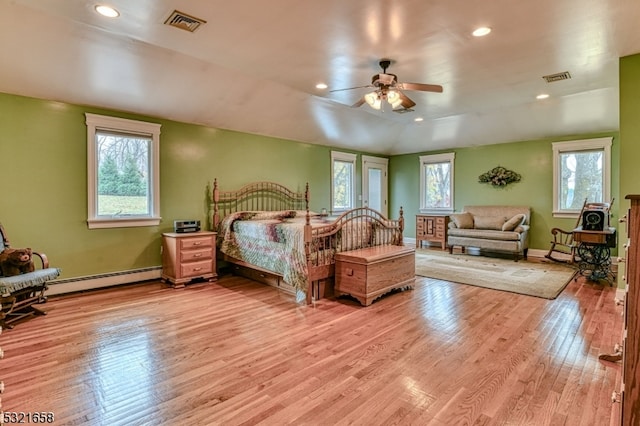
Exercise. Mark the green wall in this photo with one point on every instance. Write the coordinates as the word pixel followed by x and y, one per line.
pixel 531 159
pixel 44 204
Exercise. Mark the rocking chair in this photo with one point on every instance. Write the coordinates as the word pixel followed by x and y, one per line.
pixel 563 243
pixel 19 293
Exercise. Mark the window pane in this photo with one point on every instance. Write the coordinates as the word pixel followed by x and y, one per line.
pixel 437 185
pixel 581 177
pixel 342 178
pixel 123 175
pixel 375 189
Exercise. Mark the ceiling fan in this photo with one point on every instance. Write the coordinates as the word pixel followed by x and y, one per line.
pixel 388 89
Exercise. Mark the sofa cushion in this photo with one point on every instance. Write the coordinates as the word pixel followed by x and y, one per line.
pixel 485 234
pixel 514 222
pixel 462 220
pixel 488 222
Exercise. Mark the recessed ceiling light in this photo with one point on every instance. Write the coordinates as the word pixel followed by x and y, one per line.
pixel 542 96
pixel 107 11
pixel 482 31
pixel 418 119
pixel 321 86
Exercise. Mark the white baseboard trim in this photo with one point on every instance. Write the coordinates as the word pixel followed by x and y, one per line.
pixel 91 282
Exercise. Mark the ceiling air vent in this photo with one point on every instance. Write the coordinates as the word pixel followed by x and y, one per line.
pixel 557 77
pixel 183 21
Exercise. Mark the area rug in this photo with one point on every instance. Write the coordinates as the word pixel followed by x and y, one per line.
pixel 539 279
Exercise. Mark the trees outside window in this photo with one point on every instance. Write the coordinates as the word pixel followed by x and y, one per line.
pixel 123 172
pixel 343 178
pixel 581 171
pixel 436 182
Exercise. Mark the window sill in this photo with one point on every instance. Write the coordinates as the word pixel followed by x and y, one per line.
pixel 123 223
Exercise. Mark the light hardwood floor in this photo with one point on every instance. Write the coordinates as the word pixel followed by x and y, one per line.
pixel 238 352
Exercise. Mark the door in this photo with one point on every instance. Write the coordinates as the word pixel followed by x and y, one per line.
pixel 374 183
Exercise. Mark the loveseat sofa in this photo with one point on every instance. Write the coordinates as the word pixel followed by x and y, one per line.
pixel 493 228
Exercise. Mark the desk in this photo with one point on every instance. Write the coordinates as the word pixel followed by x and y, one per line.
pixel 594 253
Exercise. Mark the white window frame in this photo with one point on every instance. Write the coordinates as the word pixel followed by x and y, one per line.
pixel 346 158
pixel 100 122
pixel 448 157
pixel 575 146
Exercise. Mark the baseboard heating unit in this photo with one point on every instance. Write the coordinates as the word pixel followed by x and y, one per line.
pixel 91 282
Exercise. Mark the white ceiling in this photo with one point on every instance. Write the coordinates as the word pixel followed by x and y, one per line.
pixel 254 65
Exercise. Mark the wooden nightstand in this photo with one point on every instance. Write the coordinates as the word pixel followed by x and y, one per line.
pixel 432 228
pixel 188 256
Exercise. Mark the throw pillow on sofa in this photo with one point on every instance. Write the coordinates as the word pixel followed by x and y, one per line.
pixel 462 220
pixel 493 223
pixel 514 222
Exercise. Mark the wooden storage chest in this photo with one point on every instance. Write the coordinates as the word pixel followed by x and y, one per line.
pixel 367 274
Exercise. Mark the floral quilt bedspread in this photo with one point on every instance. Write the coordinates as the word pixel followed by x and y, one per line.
pixel 269 240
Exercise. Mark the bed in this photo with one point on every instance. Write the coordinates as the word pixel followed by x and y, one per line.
pixel 268 230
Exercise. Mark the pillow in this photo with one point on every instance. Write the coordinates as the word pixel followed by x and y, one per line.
pixel 462 220
pixel 489 222
pixel 514 222
pixel 303 213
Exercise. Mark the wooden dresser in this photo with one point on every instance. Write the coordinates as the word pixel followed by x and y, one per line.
pixel 630 392
pixel 188 256
pixel 432 228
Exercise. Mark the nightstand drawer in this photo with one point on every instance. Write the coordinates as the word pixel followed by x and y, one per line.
pixel 195 242
pixel 194 255
pixel 196 269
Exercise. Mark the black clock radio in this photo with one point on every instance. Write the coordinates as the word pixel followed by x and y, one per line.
pixel 593 220
pixel 181 226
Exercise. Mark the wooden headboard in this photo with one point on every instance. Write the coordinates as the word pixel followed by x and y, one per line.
pixel 256 196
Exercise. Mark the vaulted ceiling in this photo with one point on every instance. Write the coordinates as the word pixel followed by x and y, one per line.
pixel 253 66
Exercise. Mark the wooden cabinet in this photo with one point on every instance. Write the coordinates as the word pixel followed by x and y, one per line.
pixel 432 228
pixel 188 256
pixel 630 393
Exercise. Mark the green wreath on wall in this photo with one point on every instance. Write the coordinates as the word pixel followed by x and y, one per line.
pixel 499 176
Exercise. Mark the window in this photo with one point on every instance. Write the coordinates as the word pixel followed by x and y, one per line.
pixel 581 170
pixel 123 160
pixel 343 181
pixel 436 182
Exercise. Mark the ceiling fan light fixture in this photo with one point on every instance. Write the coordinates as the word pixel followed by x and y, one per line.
pixel 393 97
pixel 373 99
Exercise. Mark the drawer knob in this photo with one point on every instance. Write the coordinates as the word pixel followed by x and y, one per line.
pixel 197 255
pixel 197 269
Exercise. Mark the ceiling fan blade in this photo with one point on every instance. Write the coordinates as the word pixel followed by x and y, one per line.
pixel 406 102
pixel 350 88
pixel 421 87
pixel 359 103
